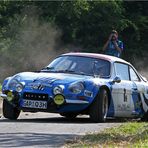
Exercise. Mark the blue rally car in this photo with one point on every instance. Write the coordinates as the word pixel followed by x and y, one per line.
pixel 98 85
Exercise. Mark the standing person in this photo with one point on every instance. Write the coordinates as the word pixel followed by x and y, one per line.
pixel 113 46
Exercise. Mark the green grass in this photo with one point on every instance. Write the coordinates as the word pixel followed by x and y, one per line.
pixel 131 134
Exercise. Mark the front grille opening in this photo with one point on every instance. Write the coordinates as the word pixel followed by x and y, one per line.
pixel 35 96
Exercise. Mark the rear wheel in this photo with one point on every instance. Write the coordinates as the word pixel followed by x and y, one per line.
pixel 69 115
pixel 145 117
pixel 9 111
pixel 99 108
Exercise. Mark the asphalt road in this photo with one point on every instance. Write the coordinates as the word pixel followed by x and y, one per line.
pixel 45 130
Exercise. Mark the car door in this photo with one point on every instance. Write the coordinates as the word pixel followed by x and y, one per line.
pixel 122 92
pixel 138 91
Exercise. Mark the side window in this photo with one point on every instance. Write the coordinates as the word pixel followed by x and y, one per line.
pixel 122 71
pixel 133 75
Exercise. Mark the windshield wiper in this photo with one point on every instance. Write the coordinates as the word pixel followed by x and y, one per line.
pixel 101 76
pixel 65 71
pixel 47 68
pixel 83 73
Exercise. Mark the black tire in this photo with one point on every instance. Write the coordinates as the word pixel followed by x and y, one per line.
pixel 145 117
pixel 69 115
pixel 9 111
pixel 99 107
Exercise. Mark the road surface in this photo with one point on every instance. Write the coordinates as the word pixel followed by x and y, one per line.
pixel 45 130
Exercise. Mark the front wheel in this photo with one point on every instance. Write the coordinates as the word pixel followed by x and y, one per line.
pixel 9 111
pixel 99 107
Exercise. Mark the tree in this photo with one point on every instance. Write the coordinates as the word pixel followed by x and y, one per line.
pixel 83 23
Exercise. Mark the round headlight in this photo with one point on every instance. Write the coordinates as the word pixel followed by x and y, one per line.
pixel 77 87
pixel 58 90
pixel 19 87
pixel 16 84
pixel 13 82
pixel 59 99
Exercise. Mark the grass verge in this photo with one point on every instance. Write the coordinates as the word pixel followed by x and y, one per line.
pixel 131 134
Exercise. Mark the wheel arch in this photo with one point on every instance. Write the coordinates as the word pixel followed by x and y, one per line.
pixel 108 92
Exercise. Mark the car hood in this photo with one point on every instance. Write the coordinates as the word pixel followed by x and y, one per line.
pixel 44 77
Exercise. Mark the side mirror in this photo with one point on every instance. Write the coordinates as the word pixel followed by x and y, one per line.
pixel 116 80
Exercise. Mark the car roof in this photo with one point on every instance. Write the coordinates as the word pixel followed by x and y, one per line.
pixel 99 56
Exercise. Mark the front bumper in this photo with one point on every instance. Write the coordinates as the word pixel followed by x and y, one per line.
pixel 69 105
pixel 67 101
pixel 4 96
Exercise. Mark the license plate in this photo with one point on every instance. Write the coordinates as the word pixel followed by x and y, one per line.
pixel 34 104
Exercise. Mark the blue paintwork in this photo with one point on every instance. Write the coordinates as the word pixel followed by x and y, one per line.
pixel 137 103
pixel 111 110
pixel 91 84
pixel 50 80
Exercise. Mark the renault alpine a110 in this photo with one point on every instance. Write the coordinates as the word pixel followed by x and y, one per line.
pixel 98 85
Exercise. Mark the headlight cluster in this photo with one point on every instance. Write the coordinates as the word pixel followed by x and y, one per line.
pixel 15 84
pixel 76 87
pixel 58 90
pixel 19 87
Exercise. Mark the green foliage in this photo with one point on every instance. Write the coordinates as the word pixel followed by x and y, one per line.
pixel 88 23
pixel 130 134
pixel 85 24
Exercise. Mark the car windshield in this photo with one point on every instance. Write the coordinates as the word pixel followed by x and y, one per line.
pixel 80 65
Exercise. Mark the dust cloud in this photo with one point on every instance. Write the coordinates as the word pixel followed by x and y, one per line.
pixel 35 44
pixel 141 64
